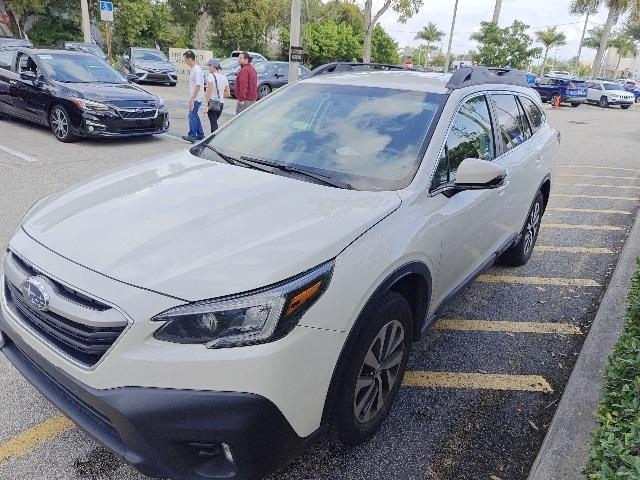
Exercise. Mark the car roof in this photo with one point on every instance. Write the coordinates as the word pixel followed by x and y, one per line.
pixel 398 79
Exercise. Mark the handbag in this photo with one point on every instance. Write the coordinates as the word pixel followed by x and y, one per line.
pixel 215 105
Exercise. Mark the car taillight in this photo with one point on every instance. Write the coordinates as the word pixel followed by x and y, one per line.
pixel 572 86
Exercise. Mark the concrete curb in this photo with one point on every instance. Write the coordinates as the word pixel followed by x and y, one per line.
pixel 565 451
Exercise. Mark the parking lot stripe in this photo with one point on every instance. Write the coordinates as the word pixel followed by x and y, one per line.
pixel 588 210
pixel 553 248
pixel 17 154
pixel 559 282
pixel 486 381
pixel 506 326
pixel 596 176
pixel 595 197
pixel 596 185
pixel 574 226
pixel 35 436
pixel 601 167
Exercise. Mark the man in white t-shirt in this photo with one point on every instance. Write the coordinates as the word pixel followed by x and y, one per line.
pixel 217 89
pixel 196 96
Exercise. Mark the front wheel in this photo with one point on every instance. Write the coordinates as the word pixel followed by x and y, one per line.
pixel 574 105
pixel 604 102
pixel 263 91
pixel 624 107
pixel 374 370
pixel 554 99
pixel 520 253
pixel 60 124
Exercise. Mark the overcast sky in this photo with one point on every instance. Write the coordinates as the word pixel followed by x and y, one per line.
pixel 535 13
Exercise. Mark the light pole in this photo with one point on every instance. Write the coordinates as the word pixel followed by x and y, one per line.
pixel 294 38
pixel 453 26
pixel 86 25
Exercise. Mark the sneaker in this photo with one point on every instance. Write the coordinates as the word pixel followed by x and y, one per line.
pixel 188 139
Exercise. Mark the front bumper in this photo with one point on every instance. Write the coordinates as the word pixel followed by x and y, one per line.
pixel 112 125
pixel 570 99
pixel 158 77
pixel 622 101
pixel 163 432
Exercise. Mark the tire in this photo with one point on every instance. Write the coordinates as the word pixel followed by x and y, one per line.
pixel 60 124
pixel 172 84
pixel 263 91
pixel 604 102
pixel 520 253
pixel 625 107
pixel 362 382
pixel 553 99
pixel 638 99
pixel 574 105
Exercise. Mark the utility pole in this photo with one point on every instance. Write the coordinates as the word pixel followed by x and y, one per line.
pixel 453 26
pixel 496 11
pixel 294 40
pixel 86 25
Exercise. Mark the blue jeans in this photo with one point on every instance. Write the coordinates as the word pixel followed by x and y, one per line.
pixel 195 127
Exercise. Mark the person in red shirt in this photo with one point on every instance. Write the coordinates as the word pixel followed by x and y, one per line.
pixel 246 83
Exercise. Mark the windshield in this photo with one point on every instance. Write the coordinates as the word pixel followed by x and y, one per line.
pixel 612 86
pixel 79 68
pixel 150 55
pixel 368 137
pixel 228 63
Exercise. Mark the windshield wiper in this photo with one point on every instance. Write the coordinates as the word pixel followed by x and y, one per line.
pixel 287 168
pixel 235 161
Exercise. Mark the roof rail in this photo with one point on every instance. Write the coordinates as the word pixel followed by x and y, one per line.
pixel 339 67
pixel 468 76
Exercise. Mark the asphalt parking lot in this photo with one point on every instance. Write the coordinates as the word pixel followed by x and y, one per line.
pixel 482 387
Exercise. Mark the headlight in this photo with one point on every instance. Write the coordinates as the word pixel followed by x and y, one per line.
pixel 160 102
pixel 90 106
pixel 259 317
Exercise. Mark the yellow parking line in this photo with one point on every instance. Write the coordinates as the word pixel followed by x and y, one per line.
pixel 574 226
pixel 595 176
pixel 552 248
pixel 35 436
pixel 596 185
pixel 596 197
pixel 559 282
pixel 600 167
pixel 487 381
pixel 511 327
pixel 587 210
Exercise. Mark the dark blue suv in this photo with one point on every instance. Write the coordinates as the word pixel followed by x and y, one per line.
pixel 570 90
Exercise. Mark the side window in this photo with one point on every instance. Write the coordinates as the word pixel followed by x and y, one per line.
pixel 6 59
pixel 471 136
pixel 536 117
pixel 26 63
pixel 526 128
pixel 509 120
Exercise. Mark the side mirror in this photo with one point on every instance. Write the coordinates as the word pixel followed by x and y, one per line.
pixel 28 75
pixel 125 57
pixel 132 78
pixel 475 174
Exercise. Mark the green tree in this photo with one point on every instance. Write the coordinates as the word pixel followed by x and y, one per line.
pixel 504 47
pixel 593 38
pixel 624 45
pixel 186 13
pixel 131 19
pixel 404 8
pixel 586 8
pixel 240 24
pixel 52 29
pixel 320 42
pixel 21 9
pixel 384 49
pixel 550 37
pixel 430 34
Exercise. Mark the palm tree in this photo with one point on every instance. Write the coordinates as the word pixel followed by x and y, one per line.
pixel 429 34
pixel 624 46
pixel 586 8
pixel 453 27
pixel 550 37
pixel 616 9
pixel 496 11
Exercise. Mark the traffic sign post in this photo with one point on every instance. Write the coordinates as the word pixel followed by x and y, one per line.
pixel 106 14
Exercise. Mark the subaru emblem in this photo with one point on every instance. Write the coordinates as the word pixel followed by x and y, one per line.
pixel 35 291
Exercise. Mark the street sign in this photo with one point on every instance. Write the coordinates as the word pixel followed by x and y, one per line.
pixel 296 54
pixel 106 11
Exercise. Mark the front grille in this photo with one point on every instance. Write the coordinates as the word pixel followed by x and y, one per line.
pixel 157 77
pixel 138 113
pixel 85 344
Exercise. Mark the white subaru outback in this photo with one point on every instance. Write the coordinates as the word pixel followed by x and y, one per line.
pixel 209 313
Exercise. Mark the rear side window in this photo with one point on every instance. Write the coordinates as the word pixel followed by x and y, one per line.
pixel 536 118
pixel 471 136
pixel 6 58
pixel 509 121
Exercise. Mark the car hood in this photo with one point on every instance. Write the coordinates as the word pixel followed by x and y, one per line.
pixel 158 64
pixel 197 229
pixel 110 93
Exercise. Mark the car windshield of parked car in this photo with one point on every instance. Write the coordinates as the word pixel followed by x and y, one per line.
pixel 612 86
pixel 367 137
pixel 228 63
pixel 148 55
pixel 79 69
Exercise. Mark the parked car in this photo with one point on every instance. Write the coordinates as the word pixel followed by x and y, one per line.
pixel 256 57
pixel 633 87
pixel 14 42
pixel 275 275
pixel 606 94
pixel 271 75
pixel 337 67
pixel 230 65
pixel 85 47
pixel 568 90
pixel 149 65
pixel 558 73
pixel 76 95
